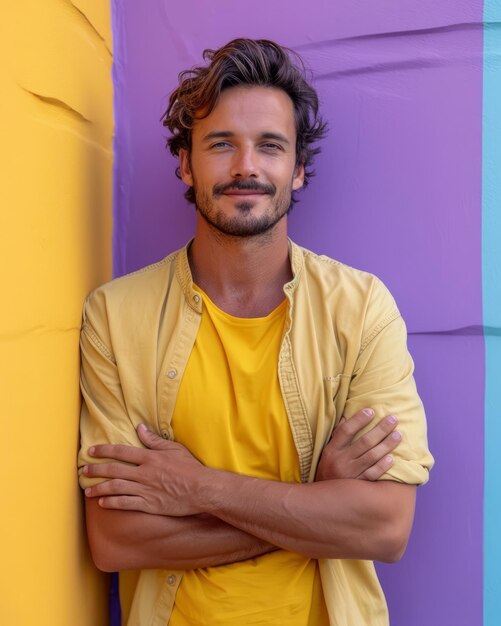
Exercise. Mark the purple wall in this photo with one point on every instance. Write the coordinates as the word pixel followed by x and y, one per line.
pixel 397 192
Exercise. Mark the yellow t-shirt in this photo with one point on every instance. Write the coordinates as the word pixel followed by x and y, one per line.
pixel 230 414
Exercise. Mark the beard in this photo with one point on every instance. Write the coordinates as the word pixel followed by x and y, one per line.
pixel 244 224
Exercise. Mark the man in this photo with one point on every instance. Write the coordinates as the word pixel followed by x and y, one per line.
pixel 213 381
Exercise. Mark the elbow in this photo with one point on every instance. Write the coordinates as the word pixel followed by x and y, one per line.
pixel 104 563
pixel 393 553
pixel 102 553
pixel 396 524
pixel 107 547
pixel 393 545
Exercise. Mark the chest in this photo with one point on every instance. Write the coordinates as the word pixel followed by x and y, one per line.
pixel 229 410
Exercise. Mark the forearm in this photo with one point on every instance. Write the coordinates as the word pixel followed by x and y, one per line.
pixel 134 540
pixel 344 518
pixel 349 519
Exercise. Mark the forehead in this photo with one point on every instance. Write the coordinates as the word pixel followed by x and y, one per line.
pixel 249 111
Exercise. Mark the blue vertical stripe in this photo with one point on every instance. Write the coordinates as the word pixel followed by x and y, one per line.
pixel 491 288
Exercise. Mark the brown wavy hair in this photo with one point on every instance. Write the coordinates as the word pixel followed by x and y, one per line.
pixel 244 62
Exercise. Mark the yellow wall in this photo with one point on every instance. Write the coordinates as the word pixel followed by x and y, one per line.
pixel 55 245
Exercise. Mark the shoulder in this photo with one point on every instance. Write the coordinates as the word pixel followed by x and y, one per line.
pixel 130 300
pixel 331 269
pixel 355 300
pixel 142 283
pixel 338 280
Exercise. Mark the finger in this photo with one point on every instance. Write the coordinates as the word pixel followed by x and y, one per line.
pixel 374 436
pixel 110 470
pixel 150 439
pixel 378 469
pixel 345 431
pixel 124 503
pixel 119 452
pixel 377 453
pixel 115 486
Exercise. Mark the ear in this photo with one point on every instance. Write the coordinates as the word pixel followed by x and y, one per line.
pixel 298 178
pixel 185 167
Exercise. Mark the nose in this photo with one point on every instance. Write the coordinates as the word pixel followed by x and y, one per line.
pixel 245 163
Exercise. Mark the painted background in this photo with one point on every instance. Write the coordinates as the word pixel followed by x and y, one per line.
pixel 398 191
pixel 407 186
pixel 55 245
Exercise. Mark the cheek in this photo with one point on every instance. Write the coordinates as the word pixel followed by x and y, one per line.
pixel 207 172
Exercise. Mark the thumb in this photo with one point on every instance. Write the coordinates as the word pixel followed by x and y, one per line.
pixel 336 427
pixel 150 439
pixel 337 437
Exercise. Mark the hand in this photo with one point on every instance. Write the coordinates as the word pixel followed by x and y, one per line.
pixel 161 479
pixel 368 457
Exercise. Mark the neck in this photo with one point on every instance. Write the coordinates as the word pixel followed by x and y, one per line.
pixel 244 276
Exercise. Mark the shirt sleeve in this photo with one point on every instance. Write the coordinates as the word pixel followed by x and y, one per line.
pixel 383 379
pixel 104 418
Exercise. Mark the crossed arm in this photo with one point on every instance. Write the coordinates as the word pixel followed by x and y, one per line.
pixel 160 508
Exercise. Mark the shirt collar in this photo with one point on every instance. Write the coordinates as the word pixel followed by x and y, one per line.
pixel 192 296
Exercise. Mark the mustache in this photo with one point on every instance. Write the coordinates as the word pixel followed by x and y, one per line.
pixel 244 185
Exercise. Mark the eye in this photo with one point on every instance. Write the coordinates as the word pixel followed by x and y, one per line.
pixel 219 144
pixel 271 147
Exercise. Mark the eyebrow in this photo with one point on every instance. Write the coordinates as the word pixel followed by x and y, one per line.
pixel 228 134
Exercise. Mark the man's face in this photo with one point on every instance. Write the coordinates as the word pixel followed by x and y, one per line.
pixel 242 161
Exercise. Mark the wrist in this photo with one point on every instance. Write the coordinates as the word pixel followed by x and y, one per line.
pixel 205 493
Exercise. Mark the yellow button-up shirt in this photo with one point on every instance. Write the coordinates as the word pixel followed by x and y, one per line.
pixel 344 348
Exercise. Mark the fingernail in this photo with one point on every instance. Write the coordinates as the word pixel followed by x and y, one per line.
pixel 92 450
pixel 85 469
pixel 396 436
pixel 368 412
pixel 392 419
pixel 87 491
pixel 389 459
pixel 143 428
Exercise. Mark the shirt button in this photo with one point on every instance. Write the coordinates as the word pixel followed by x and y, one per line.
pixel 171 580
pixel 172 374
pixel 196 298
pixel 165 434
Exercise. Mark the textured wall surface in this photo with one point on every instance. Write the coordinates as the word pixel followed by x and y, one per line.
pixel 55 245
pixel 491 287
pixel 398 192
